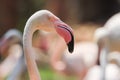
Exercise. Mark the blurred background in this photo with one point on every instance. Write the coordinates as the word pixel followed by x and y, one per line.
pixel 84 16
pixel 14 13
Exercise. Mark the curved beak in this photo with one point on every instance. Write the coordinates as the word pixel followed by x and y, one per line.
pixel 66 32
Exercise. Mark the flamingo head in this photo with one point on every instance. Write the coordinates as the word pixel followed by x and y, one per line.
pixel 11 37
pixel 64 31
pixel 45 16
pixel 5 44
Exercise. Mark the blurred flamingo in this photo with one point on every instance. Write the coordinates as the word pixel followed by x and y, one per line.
pixel 43 20
pixel 11 46
pixel 108 39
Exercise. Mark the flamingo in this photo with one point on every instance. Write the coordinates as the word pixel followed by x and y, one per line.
pixel 11 42
pixel 108 39
pixel 11 37
pixel 43 20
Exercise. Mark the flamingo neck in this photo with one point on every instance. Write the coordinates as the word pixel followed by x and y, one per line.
pixel 28 51
pixel 38 21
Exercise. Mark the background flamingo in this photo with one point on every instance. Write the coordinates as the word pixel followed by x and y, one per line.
pixel 108 39
pixel 10 42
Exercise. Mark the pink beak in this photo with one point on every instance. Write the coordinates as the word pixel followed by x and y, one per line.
pixel 66 32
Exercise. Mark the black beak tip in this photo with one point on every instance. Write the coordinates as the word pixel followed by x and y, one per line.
pixel 71 43
pixel 71 46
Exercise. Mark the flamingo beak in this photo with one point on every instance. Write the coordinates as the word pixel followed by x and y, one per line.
pixel 66 32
